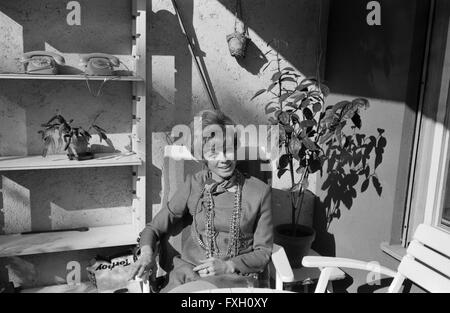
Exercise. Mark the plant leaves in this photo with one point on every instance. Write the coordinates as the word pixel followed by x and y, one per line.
pixel 267 65
pixel 317 107
pixel 325 90
pixel 300 170
pixel 361 103
pixel 340 105
pixel 269 89
pixel 308 114
pixel 356 119
pixel 281 172
pixel 273 121
pixel 284 96
pixel 276 76
pixel 377 185
pixel 270 110
pixel 289 79
pixel 69 141
pixel 315 166
pixel 284 161
pixel 310 145
pixel 365 185
pixel 307 123
pixel 291 105
pixel 294 146
pixel 258 93
pixel 300 97
pixel 304 86
pixel 325 138
pixel 99 129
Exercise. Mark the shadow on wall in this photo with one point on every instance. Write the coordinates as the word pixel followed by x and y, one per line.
pixel 272 20
pixel 34 200
pixel 45 22
pixel 358 159
pixel 370 61
pixel 168 49
pixel 254 59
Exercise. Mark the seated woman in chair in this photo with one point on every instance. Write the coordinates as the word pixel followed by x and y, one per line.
pixel 231 238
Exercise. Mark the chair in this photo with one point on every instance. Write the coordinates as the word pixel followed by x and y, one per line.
pixel 427 263
pixel 173 173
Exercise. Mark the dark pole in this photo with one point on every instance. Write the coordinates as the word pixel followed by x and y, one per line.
pixel 191 49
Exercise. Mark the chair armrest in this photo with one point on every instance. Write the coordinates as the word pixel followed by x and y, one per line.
pixel 281 264
pixel 327 262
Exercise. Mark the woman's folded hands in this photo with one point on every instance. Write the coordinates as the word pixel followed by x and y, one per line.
pixel 214 266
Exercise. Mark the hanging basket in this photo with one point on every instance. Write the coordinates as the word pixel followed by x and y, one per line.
pixel 237 43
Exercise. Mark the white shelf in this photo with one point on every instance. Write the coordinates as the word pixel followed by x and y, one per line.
pixel 96 237
pixel 59 161
pixel 70 77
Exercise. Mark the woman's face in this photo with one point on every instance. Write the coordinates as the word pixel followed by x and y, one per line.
pixel 220 160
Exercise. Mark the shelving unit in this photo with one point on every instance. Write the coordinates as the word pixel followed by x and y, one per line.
pixel 18 163
pixel 95 237
pixel 71 77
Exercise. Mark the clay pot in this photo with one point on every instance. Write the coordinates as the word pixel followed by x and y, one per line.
pixel 297 246
pixel 79 149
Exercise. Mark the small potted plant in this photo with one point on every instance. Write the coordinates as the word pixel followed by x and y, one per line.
pixel 59 132
pixel 305 126
pixel 237 44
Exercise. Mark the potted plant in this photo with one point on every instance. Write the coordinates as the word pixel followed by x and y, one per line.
pixel 237 41
pixel 305 127
pixel 59 132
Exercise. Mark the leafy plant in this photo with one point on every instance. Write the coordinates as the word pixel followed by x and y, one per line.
pixel 311 134
pixel 59 132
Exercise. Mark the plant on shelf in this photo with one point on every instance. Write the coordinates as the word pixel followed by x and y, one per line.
pixel 310 134
pixel 59 132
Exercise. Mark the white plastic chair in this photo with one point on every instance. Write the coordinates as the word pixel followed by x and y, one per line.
pixel 427 263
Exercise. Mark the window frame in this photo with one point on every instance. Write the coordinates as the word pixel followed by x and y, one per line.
pixel 426 192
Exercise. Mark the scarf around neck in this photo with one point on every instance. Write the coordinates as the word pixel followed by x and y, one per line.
pixel 216 187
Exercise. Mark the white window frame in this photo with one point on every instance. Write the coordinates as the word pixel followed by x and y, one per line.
pixel 431 168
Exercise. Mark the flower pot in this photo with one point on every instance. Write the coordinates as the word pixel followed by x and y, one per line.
pixel 296 247
pixel 79 149
pixel 237 44
pixel 81 156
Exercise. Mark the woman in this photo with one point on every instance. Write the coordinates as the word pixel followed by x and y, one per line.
pixel 231 232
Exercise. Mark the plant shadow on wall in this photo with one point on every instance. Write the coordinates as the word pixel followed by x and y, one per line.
pixel 350 160
pixel 312 135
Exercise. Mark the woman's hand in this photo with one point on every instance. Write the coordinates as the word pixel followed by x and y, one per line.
pixel 145 264
pixel 214 266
